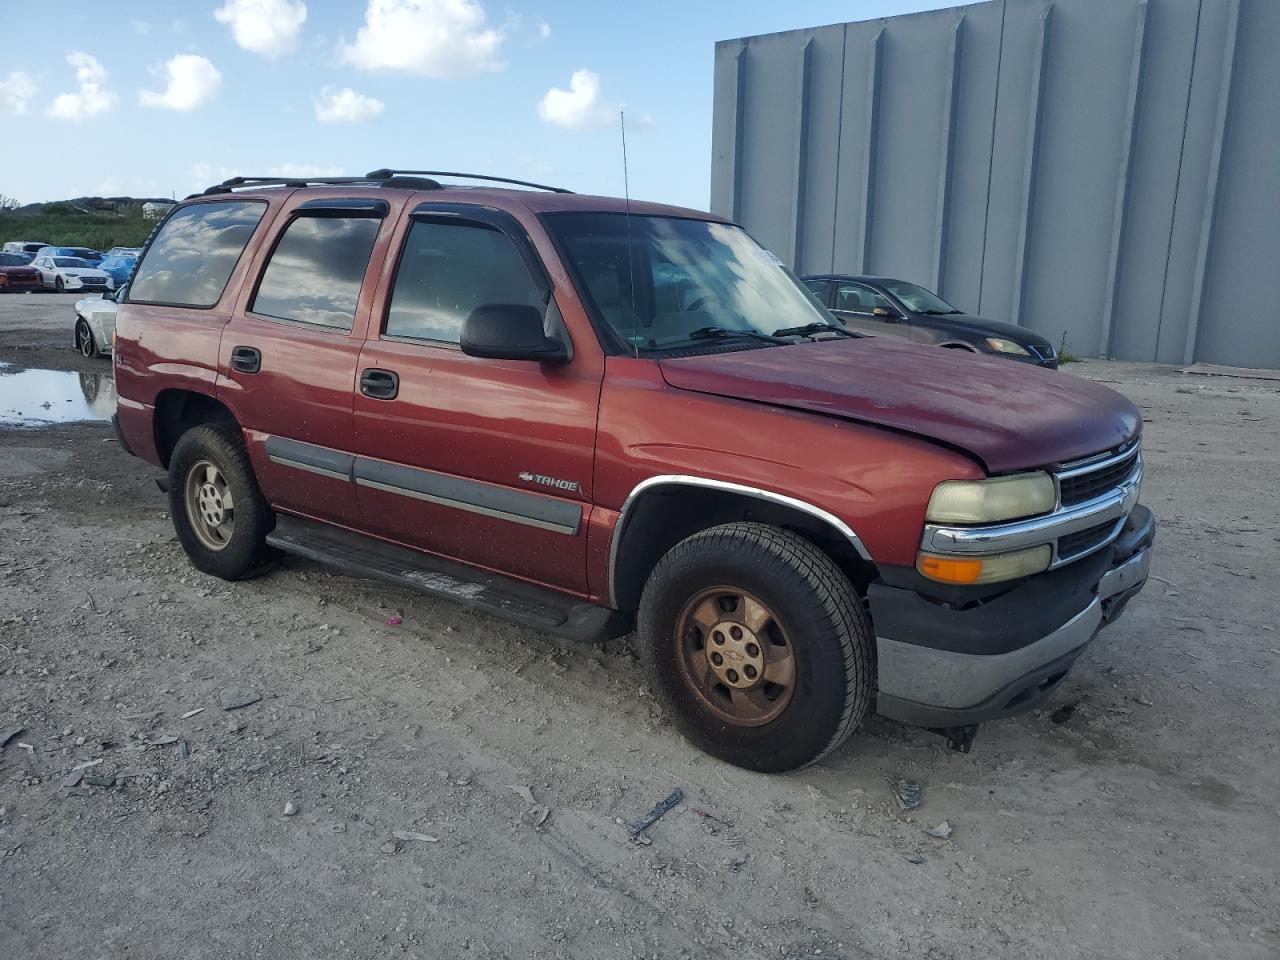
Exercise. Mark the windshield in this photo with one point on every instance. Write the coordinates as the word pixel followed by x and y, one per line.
pixel 916 298
pixel 69 262
pixel 685 282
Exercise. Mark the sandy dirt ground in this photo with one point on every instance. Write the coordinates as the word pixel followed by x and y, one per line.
pixel 1136 816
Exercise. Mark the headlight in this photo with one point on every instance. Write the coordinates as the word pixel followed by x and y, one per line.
pixel 1000 345
pixel 1000 566
pixel 990 501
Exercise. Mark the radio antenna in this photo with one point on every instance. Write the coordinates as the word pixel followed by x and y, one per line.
pixel 631 268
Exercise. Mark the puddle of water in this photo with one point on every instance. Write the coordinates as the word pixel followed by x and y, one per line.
pixel 37 398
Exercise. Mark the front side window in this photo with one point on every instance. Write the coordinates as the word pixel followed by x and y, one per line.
pixel 667 283
pixel 447 270
pixel 316 270
pixel 855 298
pixel 190 260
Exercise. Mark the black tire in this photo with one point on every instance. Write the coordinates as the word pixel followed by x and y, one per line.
pixel 243 552
pixel 84 339
pixel 58 285
pixel 824 622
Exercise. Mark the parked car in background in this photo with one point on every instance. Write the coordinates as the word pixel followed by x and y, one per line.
pixel 17 275
pixel 883 307
pixel 580 414
pixel 117 267
pixel 25 246
pixel 83 253
pixel 95 323
pixel 124 251
pixel 70 273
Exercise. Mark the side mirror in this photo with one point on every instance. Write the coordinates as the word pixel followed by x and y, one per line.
pixel 509 331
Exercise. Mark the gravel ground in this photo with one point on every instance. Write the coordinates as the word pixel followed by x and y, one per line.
pixel 455 787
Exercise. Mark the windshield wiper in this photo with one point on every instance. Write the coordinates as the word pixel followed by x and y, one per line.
pixel 817 327
pixel 937 313
pixel 708 333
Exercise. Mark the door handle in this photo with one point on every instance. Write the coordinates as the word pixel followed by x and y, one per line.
pixel 379 384
pixel 246 359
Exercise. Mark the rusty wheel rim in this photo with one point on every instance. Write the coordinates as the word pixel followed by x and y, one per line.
pixel 735 656
pixel 210 506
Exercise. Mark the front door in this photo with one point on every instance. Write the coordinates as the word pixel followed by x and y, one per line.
pixel 484 461
pixel 867 310
pixel 288 357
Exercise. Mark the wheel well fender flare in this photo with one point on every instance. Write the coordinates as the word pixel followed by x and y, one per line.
pixel 664 482
pixel 178 410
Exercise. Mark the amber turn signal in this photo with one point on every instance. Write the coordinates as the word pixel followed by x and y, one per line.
pixel 949 569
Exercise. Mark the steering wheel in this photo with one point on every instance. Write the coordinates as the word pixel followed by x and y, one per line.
pixel 702 301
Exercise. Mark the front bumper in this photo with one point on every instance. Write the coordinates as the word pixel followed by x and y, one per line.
pixel 943 666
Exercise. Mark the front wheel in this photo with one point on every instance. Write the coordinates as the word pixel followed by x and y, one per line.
pixel 58 285
pixel 759 644
pixel 218 511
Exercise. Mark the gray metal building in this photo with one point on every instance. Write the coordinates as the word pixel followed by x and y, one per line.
pixel 1105 168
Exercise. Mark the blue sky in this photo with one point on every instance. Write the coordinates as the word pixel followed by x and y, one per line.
pixel 157 97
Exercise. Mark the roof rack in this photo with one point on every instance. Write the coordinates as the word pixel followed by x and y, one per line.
pixel 385 174
pixel 408 179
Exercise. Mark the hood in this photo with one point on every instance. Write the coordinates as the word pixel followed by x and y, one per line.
pixel 1010 416
pixel 987 328
pixel 19 271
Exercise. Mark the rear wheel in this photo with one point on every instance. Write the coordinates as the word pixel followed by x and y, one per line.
pixel 218 511
pixel 759 645
pixel 84 339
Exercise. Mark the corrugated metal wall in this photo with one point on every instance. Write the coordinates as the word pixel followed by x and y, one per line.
pixel 1105 168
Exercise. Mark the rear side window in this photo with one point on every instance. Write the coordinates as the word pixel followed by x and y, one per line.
pixel 446 271
pixel 190 260
pixel 315 272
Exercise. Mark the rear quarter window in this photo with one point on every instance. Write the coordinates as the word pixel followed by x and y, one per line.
pixel 192 256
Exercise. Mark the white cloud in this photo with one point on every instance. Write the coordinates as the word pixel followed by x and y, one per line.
pixel 579 107
pixel 304 170
pixel 141 27
pixel 345 106
pixel 192 80
pixel 434 38
pixel 544 30
pixel 266 27
pixel 15 90
pixel 91 98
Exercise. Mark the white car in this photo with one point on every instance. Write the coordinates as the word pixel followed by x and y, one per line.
pixel 70 273
pixel 96 323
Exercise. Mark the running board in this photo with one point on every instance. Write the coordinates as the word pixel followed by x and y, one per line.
pixel 499 596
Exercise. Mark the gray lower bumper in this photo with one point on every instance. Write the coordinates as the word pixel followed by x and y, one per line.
pixel 939 688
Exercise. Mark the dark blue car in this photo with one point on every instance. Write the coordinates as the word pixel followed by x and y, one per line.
pixel 118 269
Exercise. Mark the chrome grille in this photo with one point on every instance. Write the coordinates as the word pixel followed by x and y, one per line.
pixel 1086 480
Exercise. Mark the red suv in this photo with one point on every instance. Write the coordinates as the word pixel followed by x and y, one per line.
pixel 584 415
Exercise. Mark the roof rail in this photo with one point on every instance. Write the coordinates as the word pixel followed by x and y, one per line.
pixel 386 174
pixel 409 179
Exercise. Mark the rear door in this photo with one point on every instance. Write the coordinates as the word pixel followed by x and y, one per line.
pixel 484 461
pixel 288 356
pixel 867 310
